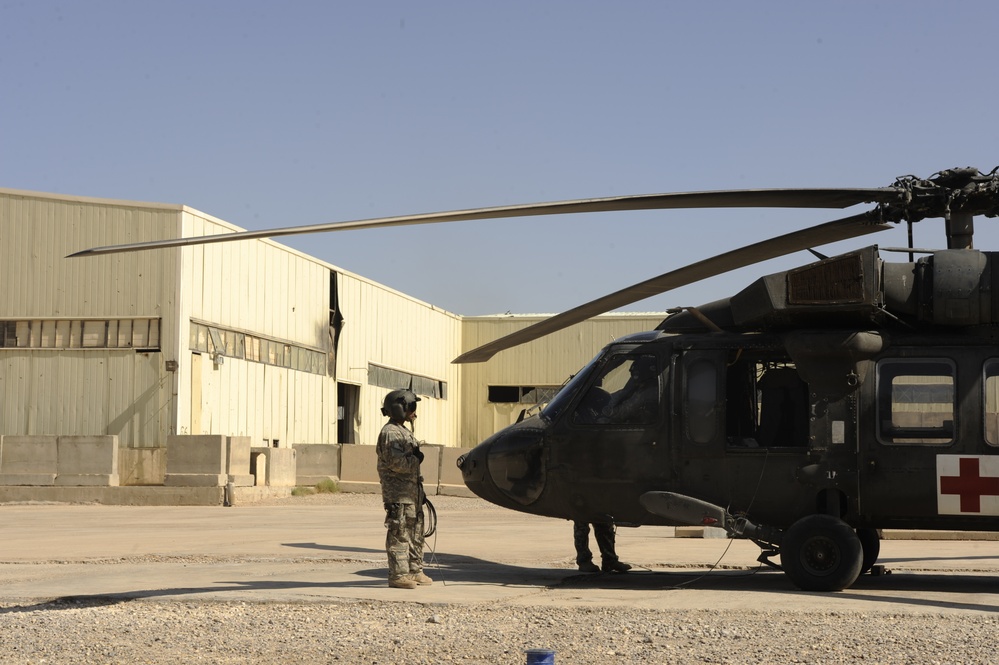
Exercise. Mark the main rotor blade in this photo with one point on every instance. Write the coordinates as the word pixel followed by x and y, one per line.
pixel 737 198
pixel 843 229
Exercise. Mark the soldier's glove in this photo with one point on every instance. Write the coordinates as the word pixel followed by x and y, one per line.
pixel 418 454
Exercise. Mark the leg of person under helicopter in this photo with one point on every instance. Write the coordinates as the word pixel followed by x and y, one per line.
pixel 604 534
pixel 581 540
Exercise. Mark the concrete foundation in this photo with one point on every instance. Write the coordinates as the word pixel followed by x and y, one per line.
pixel 140 496
pixel 195 470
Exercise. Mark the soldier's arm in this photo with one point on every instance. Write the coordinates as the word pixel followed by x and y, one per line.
pixel 399 455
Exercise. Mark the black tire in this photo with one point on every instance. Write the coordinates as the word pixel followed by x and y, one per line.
pixel 870 540
pixel 821 553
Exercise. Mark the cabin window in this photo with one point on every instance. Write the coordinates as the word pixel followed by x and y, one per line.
pixel 990 399
pixel 916 401
pixel 626 392
pixel 702 400
pixel 767 404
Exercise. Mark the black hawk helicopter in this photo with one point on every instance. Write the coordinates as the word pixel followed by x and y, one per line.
pixel 806 412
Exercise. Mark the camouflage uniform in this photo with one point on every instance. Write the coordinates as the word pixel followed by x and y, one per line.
pixel 602 533
pixel 402 493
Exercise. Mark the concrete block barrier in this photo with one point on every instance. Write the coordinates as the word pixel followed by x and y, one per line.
pixel 279 466
pixel 196 461
pixel 28 460
pixel 316 462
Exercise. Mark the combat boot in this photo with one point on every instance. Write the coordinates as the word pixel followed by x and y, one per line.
pixel 402 582
pixel 588 567
pixel 616 567
pixel 421 578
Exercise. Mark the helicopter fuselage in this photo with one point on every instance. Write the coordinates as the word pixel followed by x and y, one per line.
pixel 881 427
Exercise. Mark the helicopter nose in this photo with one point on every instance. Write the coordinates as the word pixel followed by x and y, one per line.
pixel 473 472
pixel 507 468
pixel 473 464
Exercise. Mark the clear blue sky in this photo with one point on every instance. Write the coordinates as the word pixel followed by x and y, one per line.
pixel 289 113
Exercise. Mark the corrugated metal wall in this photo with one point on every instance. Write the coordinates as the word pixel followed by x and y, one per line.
pixel 38 232
pixel 256 285
pixel 56 393
pixel 391 329
pixel 95 390
pixel 267 290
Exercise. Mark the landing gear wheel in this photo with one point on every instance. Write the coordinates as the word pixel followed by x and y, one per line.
pixel 870 540
pixel 821 553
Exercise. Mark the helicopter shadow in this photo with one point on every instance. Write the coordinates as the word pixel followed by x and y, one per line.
pixel 892 589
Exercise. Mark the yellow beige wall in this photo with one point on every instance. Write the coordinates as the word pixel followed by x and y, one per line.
pixel 395 331
pixel 267 290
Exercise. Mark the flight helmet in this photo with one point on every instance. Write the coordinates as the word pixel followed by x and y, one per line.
pixel 398 403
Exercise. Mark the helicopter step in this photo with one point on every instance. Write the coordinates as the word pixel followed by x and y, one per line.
pixel 818 552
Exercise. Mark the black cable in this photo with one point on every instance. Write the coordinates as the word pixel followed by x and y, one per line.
pixel 430 521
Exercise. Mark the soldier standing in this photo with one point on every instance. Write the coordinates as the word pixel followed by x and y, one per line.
pixel 399 458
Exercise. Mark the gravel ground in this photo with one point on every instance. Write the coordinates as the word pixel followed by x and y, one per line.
pixel 150 631
pixel 389 633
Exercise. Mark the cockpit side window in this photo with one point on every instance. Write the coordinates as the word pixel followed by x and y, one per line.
pixel 625 392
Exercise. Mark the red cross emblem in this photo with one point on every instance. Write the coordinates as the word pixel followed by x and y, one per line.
pixel 963 478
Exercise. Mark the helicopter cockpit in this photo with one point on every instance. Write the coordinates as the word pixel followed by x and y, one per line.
pixel 625 392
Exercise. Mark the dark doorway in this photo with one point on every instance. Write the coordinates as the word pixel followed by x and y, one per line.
pixel 347 397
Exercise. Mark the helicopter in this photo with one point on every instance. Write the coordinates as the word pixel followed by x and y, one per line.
pixel 807 412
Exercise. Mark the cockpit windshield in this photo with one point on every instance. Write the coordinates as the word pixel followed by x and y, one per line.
pixel 562 398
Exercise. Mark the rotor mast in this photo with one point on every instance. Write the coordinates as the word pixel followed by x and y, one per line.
pixel 960 230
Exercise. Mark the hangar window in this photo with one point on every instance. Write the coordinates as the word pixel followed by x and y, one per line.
pixel 394 379
pixel 63 334
pixel 522 394
pixel 218 341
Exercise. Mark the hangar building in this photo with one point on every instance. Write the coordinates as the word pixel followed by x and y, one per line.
pixel 249 338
